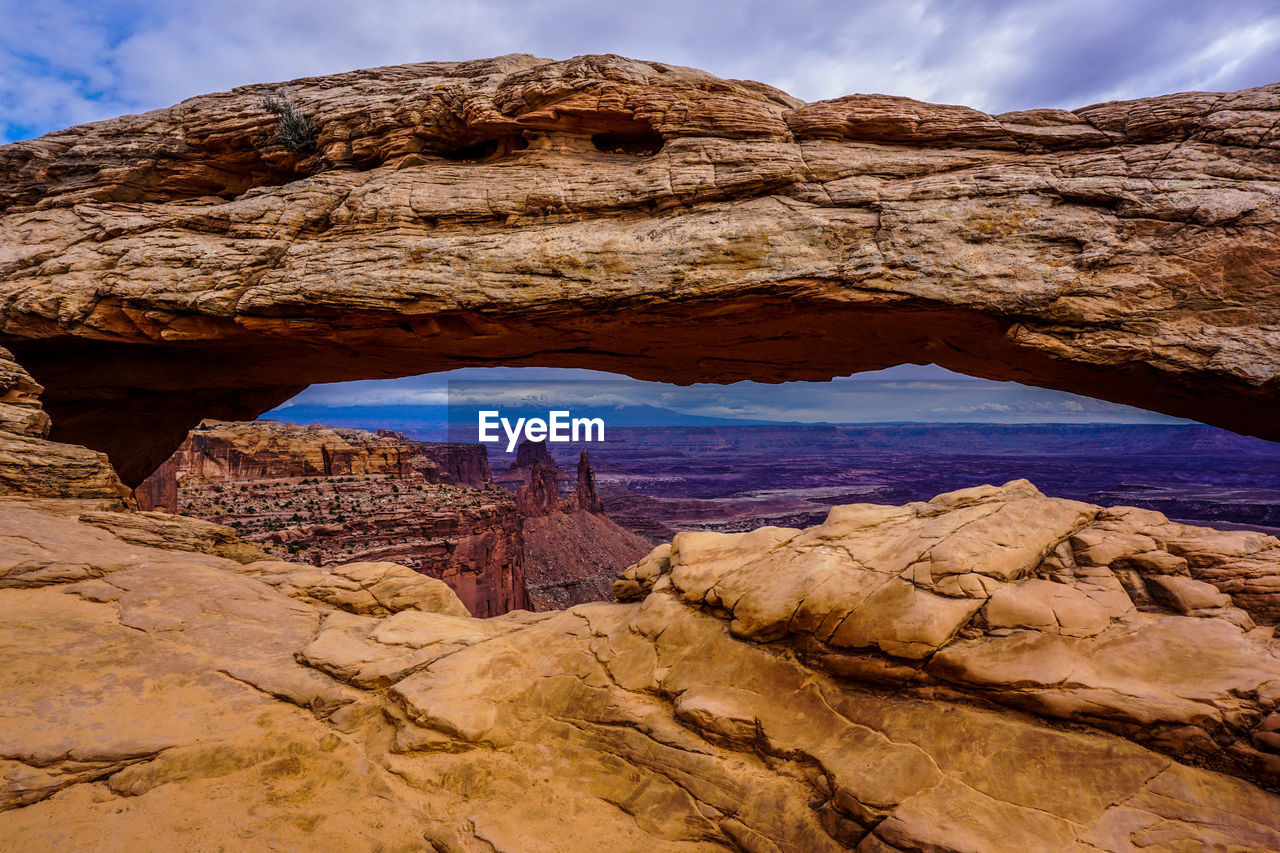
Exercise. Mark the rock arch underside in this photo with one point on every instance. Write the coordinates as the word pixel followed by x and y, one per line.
pixel 994 669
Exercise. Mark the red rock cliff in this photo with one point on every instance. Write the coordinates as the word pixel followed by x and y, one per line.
pixel 334 496
pixel 585 496
pixel 572 550
pixel 539 496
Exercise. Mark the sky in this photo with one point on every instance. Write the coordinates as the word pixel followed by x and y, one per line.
pixel 64 62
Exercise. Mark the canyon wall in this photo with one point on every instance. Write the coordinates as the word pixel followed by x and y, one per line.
pixel 330 496
pixel 459 463
pixel 217 451
pixel 334 496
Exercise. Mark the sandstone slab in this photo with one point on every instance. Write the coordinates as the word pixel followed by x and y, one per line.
pixel 154 694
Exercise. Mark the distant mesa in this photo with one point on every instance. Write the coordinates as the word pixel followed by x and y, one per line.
pixel 222 450
pixel 330 496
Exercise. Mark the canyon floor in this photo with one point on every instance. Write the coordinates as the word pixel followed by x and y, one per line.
pixel 657 481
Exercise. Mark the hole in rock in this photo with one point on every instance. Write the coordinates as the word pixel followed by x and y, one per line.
pixel 396 469
pixel 639 143
pixel 486 149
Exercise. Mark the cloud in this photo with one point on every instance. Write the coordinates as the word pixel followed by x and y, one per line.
pixel 69 61
pixel 974 409
pixel 388 394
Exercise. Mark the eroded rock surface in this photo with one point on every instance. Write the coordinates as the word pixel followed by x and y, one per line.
pixel 970 674
pixel 643 218
pixel 222 452
pixel 331 497
pixel 572 550
pixel 32 467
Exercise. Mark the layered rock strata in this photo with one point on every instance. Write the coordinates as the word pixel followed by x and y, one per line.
pixel 637 217
pixel 469 538
pixel 219 451
pixel 335 496
pixel 965 674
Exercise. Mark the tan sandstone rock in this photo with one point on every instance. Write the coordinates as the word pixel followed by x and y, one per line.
pixel 199 696
pixel 377 589
pixel 989 670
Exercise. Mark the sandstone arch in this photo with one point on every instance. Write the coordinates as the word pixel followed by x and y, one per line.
pixel 180 264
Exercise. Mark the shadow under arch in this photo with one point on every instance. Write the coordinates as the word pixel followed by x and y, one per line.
pixel 136 401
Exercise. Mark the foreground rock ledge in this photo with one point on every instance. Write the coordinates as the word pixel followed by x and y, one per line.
pixel 642 218
pixel 991 670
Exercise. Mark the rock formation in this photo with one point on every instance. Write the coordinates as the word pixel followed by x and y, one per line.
pixel 333 496
pixel 461 464
pixel 529 454
pixel 966 674
pixel 539 492
pixel 585 496
pixel 469 538
pixel 540 495
pixel 642 218
pixel 1048 606
pixel 223 452
pixel 217 451
pixel 337 496
pixel 572 550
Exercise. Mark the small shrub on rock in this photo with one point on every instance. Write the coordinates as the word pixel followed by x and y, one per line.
pixel 293 127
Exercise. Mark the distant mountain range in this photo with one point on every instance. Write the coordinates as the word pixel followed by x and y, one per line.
pixel 657 426
pixel 1083 441
pixel 460 423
